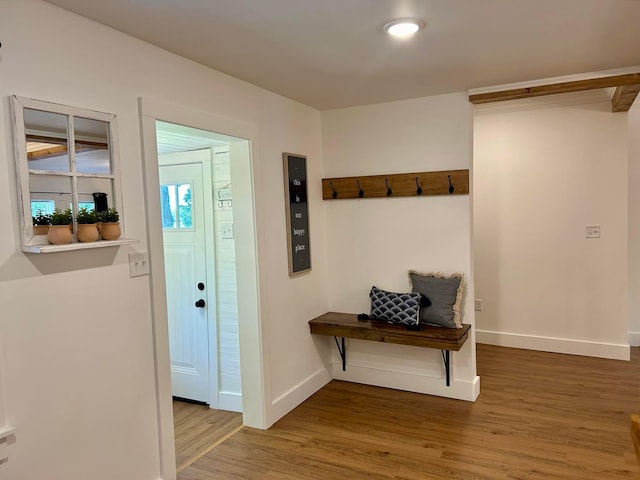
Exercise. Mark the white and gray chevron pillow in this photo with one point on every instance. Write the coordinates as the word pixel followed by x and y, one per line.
pixel 401 308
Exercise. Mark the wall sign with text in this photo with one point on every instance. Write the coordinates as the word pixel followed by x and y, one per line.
pixel 295 185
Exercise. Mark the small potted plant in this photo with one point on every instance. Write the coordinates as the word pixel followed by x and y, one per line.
pixel 87 228
pixel 41 223
pixel 110 227
pixel 59 231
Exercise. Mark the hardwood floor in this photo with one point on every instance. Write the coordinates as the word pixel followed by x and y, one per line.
pixel 197 428
pixel 539 416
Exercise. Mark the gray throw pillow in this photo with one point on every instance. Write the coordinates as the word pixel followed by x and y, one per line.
pixel 445 294
pixel 401 308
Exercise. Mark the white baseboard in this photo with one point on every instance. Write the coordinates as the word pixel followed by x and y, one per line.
pixel 634 339
pixel 231 402
pixel 410 382
pixel 557 345
pixel 298 394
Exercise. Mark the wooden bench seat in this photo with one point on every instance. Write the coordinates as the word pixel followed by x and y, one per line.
pixel 347 325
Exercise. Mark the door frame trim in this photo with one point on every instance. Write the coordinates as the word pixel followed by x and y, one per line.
pixel 251 338
pixel 212 282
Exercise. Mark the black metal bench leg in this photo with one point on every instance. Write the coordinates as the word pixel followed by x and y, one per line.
pixel 446 360
pixel 343 353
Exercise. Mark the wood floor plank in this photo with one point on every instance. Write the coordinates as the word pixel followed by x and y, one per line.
pixel 539 416
pixel 197 427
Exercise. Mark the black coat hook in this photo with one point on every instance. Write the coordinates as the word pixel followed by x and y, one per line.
pixel 419 189
pixel 334 194
pixel 360 191
pixel 451 189
pixel 389 191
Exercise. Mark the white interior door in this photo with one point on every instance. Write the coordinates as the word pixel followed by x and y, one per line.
pixel 181 191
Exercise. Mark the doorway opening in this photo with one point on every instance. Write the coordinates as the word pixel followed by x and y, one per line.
pixel 196 200
pixel 196 207
pixel 215 145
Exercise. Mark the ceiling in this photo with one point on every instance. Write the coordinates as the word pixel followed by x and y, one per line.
pixel 172 138
pixel 333 53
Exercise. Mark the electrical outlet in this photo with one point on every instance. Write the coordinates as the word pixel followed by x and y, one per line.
pixel 138 264
pixel 592 231
pixel 227 230
pixel 478 304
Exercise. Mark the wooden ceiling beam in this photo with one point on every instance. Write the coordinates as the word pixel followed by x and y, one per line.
pixel 555 88
pixel 55 151
pixel 624 97
pixel 47 152
pixel 63 141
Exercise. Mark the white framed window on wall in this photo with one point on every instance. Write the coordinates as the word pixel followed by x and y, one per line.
pixel 66 157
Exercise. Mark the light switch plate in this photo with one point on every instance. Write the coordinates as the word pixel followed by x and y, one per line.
pixel 478 304
pixel 138 264
pixel 592 231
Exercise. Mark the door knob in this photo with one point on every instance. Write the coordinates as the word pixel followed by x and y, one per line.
pixel 200 303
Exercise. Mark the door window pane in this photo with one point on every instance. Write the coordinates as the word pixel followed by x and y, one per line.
pixel 176 204
pixel 184 206
pixel 167 199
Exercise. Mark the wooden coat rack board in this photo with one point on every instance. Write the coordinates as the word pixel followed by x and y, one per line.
pixel 445 182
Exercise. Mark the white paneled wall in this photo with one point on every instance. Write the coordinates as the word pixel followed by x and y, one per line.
pixel 226 288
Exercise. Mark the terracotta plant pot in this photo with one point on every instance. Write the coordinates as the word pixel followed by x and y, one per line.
pixel 110 230
pixel 87 232
pixel 59 234
pixel 40 229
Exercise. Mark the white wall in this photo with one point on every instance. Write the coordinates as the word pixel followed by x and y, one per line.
pixel 79 388
pixel 376 241
pixel 541 174
pixel 5 430
pixel 634 223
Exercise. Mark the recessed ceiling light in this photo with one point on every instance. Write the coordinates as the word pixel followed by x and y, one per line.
pixel 403 27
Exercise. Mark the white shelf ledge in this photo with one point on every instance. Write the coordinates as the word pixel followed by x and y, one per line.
pixel 78 246
pixel 6 431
